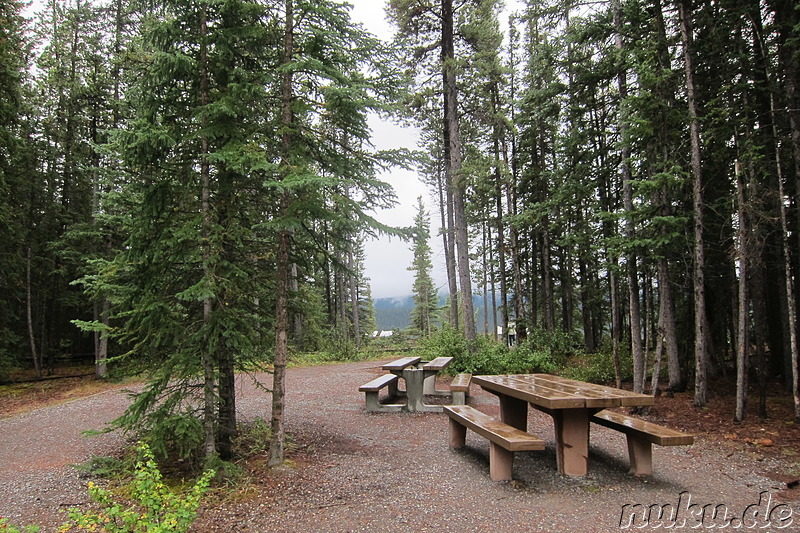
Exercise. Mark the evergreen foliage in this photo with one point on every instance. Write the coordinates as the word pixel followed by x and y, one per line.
pixel 189 183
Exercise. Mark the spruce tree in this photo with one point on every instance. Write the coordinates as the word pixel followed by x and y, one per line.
pixel 426 298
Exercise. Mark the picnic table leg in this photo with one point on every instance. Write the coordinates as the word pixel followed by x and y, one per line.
pixel 429 385
pixel 414 384
pixel 572 441
pixel 640 452
pixel 514 412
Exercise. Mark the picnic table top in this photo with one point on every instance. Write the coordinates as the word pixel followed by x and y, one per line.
pixel 400 364
pixel 555 392
pixel 437 364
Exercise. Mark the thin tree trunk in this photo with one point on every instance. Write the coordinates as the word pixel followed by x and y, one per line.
pixel 516 269
pixel 794 124
pixel 742 337
pixel 37 361
pixel 492 286
pixel 209 381
pixel 501 253
pixel 446 212
pixel 485 269
pixel 616 326
pixel 630 232
pixel 453 171
pixel 589 344
pixel 278 434
pixel 547 279
pixel 698 278
pixel 355 307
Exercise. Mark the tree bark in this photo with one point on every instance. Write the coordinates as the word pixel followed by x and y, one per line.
pixel 37 361
pixel 209 378
pixel 278 434
pixel 742 337
pixel 446 212
pixel 453 172
pixel 698 278
pixel 630 231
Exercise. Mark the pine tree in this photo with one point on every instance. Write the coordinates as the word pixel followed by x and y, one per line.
pixel 426 298
pixel 16 170
pixel 194 268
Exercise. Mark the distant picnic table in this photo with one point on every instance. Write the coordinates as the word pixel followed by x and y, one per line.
pixel 420 381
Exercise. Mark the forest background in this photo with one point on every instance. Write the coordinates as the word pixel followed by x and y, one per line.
pixel 185 188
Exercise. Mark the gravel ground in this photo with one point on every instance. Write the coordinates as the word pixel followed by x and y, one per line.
pixel 358 471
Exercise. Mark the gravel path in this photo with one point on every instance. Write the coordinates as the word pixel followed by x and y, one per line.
pixel 391 471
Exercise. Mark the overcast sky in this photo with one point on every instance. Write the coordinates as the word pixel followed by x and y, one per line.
pixel 388 259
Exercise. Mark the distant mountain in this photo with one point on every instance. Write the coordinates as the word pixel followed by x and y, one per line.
pixel 395 313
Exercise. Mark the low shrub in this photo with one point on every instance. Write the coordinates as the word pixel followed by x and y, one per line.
pixel 153 507
pixel 598 367
pixel 7 527
pixel 540 353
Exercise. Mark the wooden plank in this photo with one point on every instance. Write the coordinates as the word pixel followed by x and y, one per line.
pixel 377 383
pixel 530 392
pixel 493 429
pixel 554 392
pixel 663 436
pixel 593 398
pixel 400 364
pixel 437 364
pixel 624 397
pixel 461 383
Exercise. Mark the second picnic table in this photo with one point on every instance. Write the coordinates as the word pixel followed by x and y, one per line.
pixel 571 403
pixel 420 378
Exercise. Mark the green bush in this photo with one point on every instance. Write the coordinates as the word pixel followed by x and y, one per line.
pixel 599 367
pixel 154 507
pixel 446 342
pixel 541 353
pixel 6 527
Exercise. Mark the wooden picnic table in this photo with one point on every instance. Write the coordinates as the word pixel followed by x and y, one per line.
pixel 420 379
pixel 570 403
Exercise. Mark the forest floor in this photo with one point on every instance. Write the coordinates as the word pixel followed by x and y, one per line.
pixel 354 471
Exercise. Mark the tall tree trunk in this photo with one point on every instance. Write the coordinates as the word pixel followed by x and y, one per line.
pixel 786 16
pixel 668 331
pixel 698 278
pixel 446 211
pixel 589 343
pixel 630 232
pixel 355 306
pixel 501 255
pixel 547 278
pixel 278 435
pixel 516 269
pixel 35 355
pixel 742 337
pixel 453 170
pixel 485 270
pixel 209 380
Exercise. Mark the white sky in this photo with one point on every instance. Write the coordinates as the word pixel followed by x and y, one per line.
pixel 387 259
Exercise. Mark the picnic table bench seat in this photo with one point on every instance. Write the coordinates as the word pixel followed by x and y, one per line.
pixel 372 390
pixel 641 435
pixel 459 388
pixel 504 440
